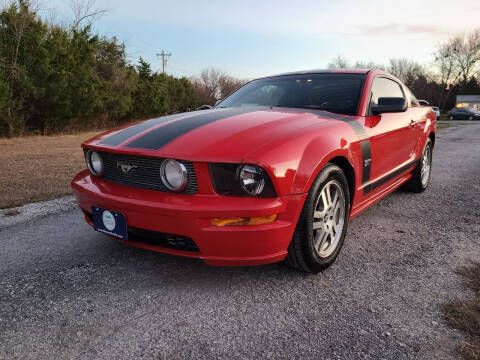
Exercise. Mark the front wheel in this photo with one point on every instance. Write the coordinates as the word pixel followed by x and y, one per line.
pixel 470 118
pixel 450 117
pixel 422 173
pixel 323 223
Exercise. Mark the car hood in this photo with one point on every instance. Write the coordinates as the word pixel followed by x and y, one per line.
pixel 226 134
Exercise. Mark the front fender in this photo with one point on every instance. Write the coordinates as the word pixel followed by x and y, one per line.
pixel 293 164
pixel 316 155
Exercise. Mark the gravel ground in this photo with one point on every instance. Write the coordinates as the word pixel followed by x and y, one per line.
pixel 69 292
pixel 30 212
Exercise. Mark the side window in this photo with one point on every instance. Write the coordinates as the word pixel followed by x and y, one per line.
pixel 383 87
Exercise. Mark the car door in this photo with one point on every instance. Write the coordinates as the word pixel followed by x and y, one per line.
pixel 392 135
pixel 418 121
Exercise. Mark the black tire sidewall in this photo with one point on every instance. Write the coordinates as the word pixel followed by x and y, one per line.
pixel 329 172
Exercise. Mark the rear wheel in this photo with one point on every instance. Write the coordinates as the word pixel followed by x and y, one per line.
pixel 470 118
pixel 421 175
pixel 323 223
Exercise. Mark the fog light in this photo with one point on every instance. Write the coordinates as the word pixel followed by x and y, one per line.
pixel 174 174
pixel 244 221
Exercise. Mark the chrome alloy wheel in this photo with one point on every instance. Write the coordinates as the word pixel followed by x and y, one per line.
pixel 328 219
pixel 426 165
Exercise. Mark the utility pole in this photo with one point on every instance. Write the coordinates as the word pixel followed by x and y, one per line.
pixel 164 56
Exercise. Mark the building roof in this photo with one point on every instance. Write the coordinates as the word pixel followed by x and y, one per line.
pixel 468 98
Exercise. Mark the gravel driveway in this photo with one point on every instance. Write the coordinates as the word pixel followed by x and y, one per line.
pixel 69 292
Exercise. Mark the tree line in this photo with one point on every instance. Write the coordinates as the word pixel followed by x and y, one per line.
pixel 454 70
pixel 58 78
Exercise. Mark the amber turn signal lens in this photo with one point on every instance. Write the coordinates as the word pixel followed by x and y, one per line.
pixel 244 221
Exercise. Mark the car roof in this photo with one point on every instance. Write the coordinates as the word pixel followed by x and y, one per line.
pixel 328 71
pixel 322 71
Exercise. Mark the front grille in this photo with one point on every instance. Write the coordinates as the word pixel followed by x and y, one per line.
pixel 177 242
pixel 145 172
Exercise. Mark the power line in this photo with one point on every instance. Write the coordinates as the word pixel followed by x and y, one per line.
pixel 164 56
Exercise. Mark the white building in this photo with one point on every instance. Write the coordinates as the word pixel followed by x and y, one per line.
pixel 468 101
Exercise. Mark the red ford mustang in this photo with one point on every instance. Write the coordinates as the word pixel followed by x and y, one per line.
pixel 275 171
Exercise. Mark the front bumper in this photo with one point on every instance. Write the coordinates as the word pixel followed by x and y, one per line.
pixel 190 216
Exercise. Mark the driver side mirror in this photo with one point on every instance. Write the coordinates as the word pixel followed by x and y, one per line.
pixel 389 105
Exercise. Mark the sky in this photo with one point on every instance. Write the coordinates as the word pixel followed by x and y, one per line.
pixel 253 38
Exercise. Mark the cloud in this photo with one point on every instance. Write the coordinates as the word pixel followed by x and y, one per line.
pixel 394 28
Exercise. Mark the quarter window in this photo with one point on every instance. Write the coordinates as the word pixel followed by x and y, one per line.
pixel 411 98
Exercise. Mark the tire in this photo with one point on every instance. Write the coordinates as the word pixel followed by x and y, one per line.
pixel 470 118
pixel 422 173
pixel 331 220
pixel 450 117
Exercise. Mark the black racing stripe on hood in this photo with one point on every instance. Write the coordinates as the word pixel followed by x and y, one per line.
pixel 158 138
pixel 127 133
pixel 354 124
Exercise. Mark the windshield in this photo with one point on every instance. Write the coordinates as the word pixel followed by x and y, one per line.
pixel 337 93
pixel 435 108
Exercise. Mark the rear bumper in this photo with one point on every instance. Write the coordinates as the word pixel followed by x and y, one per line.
pixel 190 216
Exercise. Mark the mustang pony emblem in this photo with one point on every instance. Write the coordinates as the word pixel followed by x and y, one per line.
pixel 125 167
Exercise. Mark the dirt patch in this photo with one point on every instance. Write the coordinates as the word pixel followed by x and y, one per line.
pixel 464 315
pixel 11 212
pixel 39 168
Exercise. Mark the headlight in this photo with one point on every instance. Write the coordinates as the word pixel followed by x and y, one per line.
pixel 174 175
pixel 241 180
pixel 252 179
pixel 94 162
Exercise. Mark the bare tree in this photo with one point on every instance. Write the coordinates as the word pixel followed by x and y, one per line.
pixel 229 84
pixel 466 51
pixel 214 84
pixel 85 12
pixel 338 63
pixel 406 70
pixel 368 65
pixel 207 86
pixel 342 63
pixel 456 62
pixel 447 69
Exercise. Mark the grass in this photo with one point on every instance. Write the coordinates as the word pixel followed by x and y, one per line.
pixel 39 168
pixel 465 315
pixel 441 126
